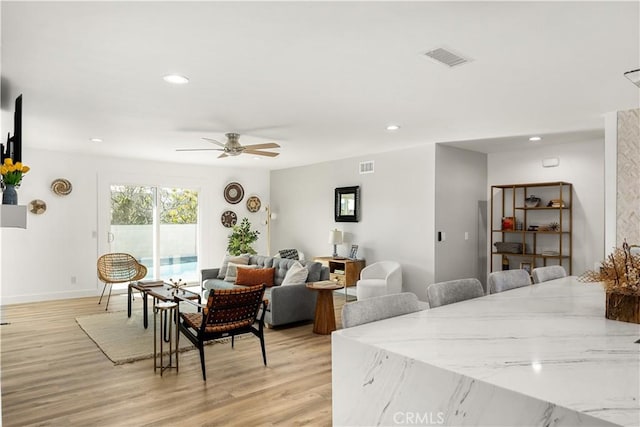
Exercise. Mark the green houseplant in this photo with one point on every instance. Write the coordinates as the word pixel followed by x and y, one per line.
pixel 241 238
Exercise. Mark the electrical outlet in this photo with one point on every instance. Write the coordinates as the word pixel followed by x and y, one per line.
pixel 466 235
pixel 74 280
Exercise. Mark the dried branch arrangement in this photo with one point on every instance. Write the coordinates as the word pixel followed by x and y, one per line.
pixel 620 272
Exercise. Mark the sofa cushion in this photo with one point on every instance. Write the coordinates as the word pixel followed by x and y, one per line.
pixel 255 276
pixel 232 271
pixel 289 253
pixel 296 275
pixel 315 271
pixel 240 259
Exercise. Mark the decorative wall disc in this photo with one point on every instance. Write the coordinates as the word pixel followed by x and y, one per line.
pixel 228 219
pixel 37 206
pixel 233 193
pixel 253 204
pixel 61 186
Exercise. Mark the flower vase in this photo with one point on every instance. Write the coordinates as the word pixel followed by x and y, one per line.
pixel 625 308
pixel 9 195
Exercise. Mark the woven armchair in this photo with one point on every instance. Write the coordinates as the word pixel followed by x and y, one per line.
pixel 228 312
pixel 118 268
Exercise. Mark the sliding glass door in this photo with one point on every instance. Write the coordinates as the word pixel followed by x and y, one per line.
pixel 158 226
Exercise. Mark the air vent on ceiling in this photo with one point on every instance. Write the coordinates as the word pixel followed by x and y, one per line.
pixel 446 57
pixel 366 167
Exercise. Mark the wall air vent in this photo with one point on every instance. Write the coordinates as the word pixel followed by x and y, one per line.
pixel 446 57
pixel 366 167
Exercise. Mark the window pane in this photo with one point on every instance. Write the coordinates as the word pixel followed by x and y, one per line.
pixel 178 211
pixel 131 229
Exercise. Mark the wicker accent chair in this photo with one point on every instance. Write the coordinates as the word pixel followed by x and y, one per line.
pixel 118 267
pixel 228 312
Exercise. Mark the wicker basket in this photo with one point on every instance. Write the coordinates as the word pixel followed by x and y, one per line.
pixel 509 247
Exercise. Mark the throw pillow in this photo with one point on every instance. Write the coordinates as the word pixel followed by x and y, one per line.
pixel 289 253
pixel 257 276
pixel 297 275
pixel 232 271
pixel 240 259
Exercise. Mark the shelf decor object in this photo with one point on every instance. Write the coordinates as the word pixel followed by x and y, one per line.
pixel 11 178
pixel 61 187
pixel 620 275
pixel 233 193
pixel 531 230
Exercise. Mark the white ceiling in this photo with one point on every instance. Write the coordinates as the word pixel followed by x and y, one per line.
pixel 323 79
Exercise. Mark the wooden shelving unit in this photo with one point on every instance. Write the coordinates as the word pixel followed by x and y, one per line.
pixel 508 201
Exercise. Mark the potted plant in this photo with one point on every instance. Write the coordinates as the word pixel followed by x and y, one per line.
pixel 620 274
pixel 241 238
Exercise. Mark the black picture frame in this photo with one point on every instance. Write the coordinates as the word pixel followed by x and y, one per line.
pixel 347 204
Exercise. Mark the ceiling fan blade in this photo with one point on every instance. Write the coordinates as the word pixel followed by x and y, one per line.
pixel 199 149
pixel 260 153
pixel 222 155
pixel 214 141
pixel 261 146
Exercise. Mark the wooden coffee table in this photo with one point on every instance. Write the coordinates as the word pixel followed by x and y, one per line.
pixel 160 291
pixel 325 319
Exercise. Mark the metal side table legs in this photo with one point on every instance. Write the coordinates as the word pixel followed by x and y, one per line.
pixel 168 317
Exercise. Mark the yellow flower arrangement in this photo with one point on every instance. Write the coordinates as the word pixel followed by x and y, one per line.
pixel 12 173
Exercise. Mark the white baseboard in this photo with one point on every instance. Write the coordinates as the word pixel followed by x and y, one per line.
pixel 20 299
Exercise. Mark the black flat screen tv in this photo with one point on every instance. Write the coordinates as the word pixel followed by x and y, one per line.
pixel 13 150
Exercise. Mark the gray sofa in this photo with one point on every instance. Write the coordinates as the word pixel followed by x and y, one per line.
pixel 287 304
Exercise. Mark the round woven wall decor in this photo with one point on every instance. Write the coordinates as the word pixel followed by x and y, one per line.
pixel 61 187
pixel 233 193
pixel 228 219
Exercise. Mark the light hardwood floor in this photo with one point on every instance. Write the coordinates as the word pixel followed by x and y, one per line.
pixel 53 374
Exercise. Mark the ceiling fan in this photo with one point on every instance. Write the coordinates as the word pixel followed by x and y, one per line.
pixel 233 147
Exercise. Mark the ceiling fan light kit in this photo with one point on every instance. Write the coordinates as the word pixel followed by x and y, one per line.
pixel 233 147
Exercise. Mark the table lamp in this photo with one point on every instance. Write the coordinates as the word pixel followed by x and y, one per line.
pixel 335 238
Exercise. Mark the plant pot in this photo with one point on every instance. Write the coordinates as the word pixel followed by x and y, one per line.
pixel 9 195
pixel 625 308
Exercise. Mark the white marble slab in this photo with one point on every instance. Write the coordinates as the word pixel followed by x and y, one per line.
pixel 540 355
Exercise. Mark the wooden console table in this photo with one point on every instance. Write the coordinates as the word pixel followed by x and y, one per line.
pixel 344 271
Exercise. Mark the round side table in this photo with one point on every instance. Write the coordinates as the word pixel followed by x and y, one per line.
pixel 168 315
pixel 325 318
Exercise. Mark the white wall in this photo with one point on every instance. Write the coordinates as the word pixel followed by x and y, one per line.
pixel 581 164
pixel 460 189
pixel 397 211
pixel 38 263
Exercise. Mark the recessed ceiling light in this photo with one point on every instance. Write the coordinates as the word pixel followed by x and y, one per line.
pixel 96 140
pixel 176 79
pixel 535 138
pixel 393 127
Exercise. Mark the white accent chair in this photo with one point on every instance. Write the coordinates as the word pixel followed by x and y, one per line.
pixel 542 274
pixel 452 291
pixel 380 278
pixel 377 308
pixel 500 281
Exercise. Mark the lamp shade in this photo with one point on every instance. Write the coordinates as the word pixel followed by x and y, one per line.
pixel 633 76
pixel 335 237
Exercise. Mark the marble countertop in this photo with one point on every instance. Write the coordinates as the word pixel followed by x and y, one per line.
pixel 550 341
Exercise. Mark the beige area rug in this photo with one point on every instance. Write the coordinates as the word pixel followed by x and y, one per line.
pixel 124 339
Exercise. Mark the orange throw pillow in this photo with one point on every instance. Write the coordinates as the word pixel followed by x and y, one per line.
pixel 257 276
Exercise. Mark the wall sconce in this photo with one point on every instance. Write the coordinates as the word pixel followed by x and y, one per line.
pixel 633 76
pixel 335 238
pixel 270 217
